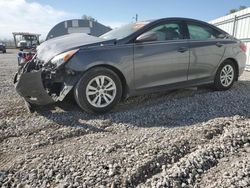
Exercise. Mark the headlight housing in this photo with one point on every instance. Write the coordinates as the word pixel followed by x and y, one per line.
pixel 63 58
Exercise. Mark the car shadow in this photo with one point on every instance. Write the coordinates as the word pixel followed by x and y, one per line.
pixel 167 109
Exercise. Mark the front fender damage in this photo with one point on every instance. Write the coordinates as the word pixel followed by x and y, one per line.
pixel 44 84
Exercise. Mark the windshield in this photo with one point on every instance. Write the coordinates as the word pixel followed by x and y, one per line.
pixel 123 31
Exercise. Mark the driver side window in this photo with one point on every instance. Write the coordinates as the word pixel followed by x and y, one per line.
pixel 168 31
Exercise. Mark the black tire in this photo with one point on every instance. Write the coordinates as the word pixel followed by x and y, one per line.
pixel 218 85
pixel 80 90
pixel 4 51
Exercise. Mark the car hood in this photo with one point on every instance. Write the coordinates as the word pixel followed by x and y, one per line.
pixel 49 49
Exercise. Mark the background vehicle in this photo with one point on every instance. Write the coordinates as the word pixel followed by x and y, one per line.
pixel 135 59
pixel 22 44
pixel 25 40
pixel 2 47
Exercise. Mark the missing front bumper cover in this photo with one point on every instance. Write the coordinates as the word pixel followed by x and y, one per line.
pixel 30 86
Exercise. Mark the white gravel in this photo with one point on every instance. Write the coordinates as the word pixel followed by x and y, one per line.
pixel 181 138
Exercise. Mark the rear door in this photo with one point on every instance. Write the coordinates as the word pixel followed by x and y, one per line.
pixel 206 50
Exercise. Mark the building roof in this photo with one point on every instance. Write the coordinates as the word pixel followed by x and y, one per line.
pixel 26 33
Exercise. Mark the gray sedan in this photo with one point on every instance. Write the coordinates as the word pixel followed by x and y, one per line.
pixel 137 58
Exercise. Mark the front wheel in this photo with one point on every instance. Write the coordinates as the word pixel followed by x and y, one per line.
pixel 98 91
pixel 225 76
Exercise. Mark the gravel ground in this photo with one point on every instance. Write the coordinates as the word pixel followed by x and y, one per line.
pixel 182 138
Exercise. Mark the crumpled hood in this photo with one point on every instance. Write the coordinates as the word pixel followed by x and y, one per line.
pixel 49 49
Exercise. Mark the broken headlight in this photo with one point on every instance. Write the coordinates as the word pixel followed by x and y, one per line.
pixel 63 58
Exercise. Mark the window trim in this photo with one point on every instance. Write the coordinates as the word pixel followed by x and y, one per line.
pixel 179 22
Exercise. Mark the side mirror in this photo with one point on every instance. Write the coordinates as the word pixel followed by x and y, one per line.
pixel 147 37
pixel 221 36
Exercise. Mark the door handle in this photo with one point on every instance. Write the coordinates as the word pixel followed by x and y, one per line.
pixel 218 44
pixel 182 49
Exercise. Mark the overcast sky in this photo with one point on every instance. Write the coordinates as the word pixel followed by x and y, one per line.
pixel 39 16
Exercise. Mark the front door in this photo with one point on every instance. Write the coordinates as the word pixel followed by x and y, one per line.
pixel 164 61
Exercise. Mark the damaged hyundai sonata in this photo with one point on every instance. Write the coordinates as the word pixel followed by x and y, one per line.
pixel 134 59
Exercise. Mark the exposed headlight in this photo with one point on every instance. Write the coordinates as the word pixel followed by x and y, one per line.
pixel 63 58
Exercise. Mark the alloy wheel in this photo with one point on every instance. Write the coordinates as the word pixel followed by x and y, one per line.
pixel 101 91
pixel 227 75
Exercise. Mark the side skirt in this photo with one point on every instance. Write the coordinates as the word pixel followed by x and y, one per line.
pixel 180 85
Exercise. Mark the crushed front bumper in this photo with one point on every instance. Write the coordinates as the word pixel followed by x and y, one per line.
pixel 29 85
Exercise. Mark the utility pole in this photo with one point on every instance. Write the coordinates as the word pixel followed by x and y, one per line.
pixel 136 17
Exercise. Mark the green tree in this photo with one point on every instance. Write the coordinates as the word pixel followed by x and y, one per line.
pixel 242 7
pixel 233 11
pixel 90 18
pixel 236 10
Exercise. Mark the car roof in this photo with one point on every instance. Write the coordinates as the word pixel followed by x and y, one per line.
pixel 173 18
pixel 184 19
pixel 153 22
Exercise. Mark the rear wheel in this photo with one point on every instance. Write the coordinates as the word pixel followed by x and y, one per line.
pixel 225 76
pixel 98 91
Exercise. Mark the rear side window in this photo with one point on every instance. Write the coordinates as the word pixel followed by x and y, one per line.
pixel 199 32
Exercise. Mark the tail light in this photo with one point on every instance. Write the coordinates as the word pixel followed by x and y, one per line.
pixel 243 47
